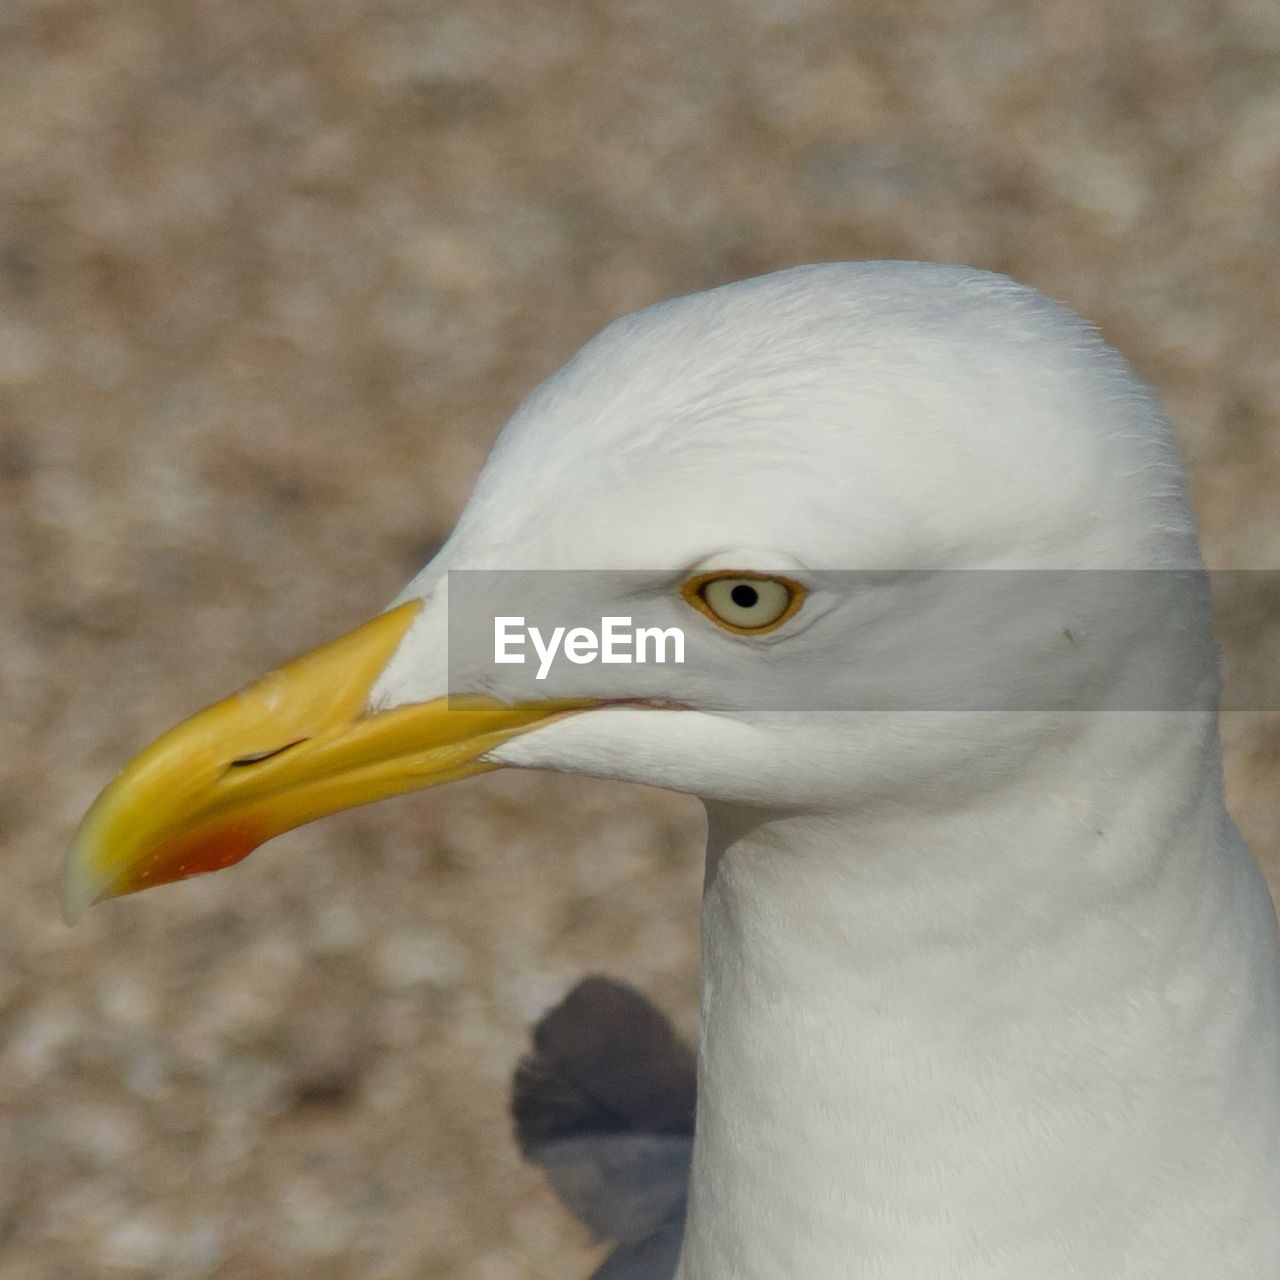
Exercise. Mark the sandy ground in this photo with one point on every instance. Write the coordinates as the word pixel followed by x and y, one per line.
pixel 272 274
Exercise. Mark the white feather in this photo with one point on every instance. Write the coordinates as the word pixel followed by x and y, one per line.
pixel 987 994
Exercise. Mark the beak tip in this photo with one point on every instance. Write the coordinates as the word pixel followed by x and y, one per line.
pixel 80 890
pixel 74 902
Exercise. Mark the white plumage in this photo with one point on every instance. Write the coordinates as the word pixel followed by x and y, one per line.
pixel 987 995
pixel 991 987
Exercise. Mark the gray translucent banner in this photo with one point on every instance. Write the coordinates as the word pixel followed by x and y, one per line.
pixel 947 640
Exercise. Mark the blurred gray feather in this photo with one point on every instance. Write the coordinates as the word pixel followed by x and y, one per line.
pixel 621 1185
pixel 604 1105
pixel 653 1258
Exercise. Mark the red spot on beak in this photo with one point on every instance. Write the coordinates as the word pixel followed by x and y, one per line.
pixel 195 853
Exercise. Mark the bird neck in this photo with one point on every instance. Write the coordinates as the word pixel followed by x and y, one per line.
pixel 1031 1038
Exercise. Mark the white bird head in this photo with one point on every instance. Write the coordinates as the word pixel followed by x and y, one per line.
pixel 842 437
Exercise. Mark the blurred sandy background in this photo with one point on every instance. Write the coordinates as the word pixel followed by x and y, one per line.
pixel 272 274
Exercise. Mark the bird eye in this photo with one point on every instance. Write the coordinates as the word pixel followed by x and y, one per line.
pixel 747 603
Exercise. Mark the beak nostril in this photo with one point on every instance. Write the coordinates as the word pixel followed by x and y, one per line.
pixel 257 757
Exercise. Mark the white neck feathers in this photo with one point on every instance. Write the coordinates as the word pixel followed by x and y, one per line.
pixel 1038 1037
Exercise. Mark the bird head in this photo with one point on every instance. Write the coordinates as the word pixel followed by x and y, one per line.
pixel 824 479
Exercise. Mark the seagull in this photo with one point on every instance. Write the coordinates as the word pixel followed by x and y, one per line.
pixel 990 983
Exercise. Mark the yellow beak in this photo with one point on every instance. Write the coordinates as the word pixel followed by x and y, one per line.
pixel 294 746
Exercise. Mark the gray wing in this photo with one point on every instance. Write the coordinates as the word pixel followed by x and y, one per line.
pixel 604 1105
pixel 653 1258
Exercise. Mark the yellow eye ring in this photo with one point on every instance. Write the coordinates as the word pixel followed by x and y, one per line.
pixel 746 603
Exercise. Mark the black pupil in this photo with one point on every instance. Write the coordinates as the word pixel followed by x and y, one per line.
pixel 744 596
